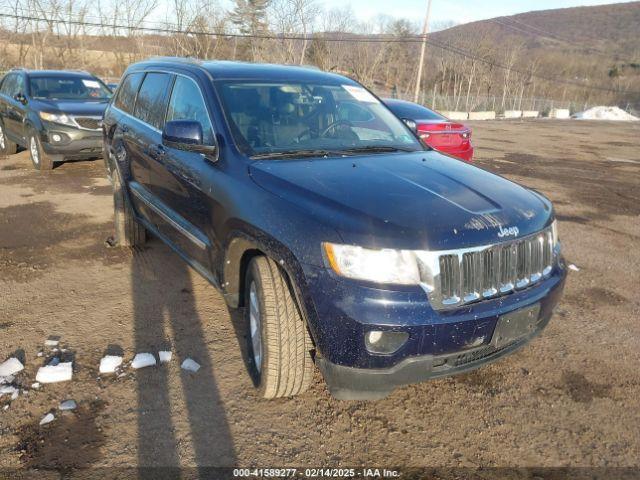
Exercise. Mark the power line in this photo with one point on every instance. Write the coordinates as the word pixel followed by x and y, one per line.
pixel 326 38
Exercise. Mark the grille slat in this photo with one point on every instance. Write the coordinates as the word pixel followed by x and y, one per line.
pixel 474 274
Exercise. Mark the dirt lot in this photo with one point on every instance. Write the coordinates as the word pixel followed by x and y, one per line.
pixel 571 398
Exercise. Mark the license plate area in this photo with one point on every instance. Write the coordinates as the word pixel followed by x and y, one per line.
pixel 515 325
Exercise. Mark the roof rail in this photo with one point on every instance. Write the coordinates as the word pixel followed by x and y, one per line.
pixel 191 60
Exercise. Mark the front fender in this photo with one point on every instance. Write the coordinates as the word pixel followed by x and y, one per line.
pixel 244 245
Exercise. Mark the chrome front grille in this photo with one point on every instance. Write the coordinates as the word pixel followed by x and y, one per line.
pixel 89 123
pixel 459 277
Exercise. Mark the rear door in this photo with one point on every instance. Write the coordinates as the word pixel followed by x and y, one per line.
pixel 14 112
pixel 141 137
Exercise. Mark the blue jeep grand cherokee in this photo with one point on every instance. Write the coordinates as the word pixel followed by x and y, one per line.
pixel 349 244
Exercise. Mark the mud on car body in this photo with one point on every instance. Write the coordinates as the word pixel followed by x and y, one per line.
pixel 349 244
pixel 56 115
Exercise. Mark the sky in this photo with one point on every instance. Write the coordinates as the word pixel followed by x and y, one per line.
pixel 458 11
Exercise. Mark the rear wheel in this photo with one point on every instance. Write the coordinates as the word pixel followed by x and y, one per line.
pixel 278 341
pixel 7 147
pixel 41 161
pixel 128 231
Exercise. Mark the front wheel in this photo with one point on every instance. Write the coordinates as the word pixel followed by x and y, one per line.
pixel 278 341
pixel 7 147
pixel 41 161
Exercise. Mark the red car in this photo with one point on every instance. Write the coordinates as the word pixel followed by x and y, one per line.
pixel 435 130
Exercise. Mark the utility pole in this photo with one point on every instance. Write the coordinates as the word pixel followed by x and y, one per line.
pixel 425 30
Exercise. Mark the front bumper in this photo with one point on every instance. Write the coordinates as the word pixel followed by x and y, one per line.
pixel 75 143
pixel 347 383
pixel 342 312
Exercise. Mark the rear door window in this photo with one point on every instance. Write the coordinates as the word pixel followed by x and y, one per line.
pixel 9 84
pixel 187 103
pixel 151 103
pixel 127 92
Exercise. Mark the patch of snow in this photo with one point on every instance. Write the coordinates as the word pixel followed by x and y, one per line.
pixel 35 385
pixel 49 417
pixel 10 366
pixel 55 373
pixel 39 354
pixel 67 405
pixel 6 407
pixel 15 394
pixel 109 363
pixel 165 356
pixel 190 365
pixel 51 342
pixel 606 113
pixel 142 360
pixel 7 390
pixel 573 267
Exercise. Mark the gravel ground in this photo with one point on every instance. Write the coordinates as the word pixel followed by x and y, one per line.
pixel 570 398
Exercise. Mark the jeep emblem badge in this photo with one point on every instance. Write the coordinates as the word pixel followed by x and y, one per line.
pixel 508 232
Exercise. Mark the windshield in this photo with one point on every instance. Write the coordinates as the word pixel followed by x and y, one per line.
pixel 59 87
pixel 277 118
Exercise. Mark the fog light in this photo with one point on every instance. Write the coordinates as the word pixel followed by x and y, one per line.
pixel 381 342
pixel 56 138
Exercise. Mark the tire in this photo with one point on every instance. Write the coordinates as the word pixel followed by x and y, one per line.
pixel 7 147
pixel 41 161
pixel 282 364
pixel 128 231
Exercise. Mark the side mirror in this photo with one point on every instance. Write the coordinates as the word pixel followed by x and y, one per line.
pixel 19 97
pixel 187 135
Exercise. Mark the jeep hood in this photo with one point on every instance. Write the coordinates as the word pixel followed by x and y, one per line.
pixel 420 200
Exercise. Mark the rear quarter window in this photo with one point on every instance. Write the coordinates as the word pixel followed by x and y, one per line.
pixel 127 93
pixel 151 103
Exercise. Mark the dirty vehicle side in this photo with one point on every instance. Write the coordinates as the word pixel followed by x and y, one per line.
pixel 348 243
pixel 56 115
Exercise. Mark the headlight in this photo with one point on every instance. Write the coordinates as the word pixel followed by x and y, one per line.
pixel 554 232
pixel 57 118
pixel 380 266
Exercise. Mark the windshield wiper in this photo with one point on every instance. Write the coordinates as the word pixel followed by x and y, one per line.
pixel 300 154
pixel 378 149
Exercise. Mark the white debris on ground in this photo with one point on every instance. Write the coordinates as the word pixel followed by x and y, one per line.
pixel 142 360
pixel 606 113
pixel 109 363
pixel 165 356
pixel 50 342
pixel 573 267
pixel 49 417
pixel 35 385
pixel 10 366
pixel 67 405
pixel 55 373
pixel 190 365
pixel 7 379
pixel 7 390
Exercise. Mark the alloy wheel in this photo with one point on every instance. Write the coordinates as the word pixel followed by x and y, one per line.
pixel 255 326
pixel 35 153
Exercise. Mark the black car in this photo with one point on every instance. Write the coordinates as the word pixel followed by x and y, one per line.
pixel 56 115
pixel 351 245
